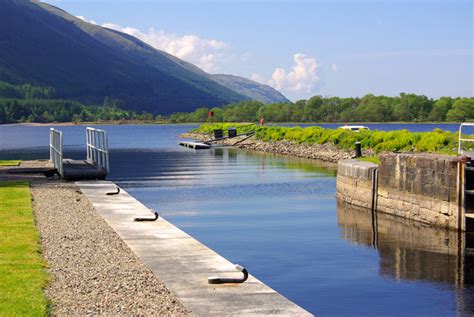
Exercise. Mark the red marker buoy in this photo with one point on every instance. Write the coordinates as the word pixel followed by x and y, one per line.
pixel 211 115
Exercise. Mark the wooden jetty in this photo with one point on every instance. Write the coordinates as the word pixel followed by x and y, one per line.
pixel 95 166
pixel 195 145
pixel 217 137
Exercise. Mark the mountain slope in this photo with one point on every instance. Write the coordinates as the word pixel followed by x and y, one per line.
pixel 251 89
pixel 43 45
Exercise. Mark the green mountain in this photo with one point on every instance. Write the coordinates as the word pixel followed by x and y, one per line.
pixel 43 45
pixel 251 89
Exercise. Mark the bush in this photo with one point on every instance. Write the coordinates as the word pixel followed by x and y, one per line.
pixel 437 141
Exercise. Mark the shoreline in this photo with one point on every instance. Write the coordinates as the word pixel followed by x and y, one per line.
pixel 103 263
pixel 92 270
pixel 68 124
pixel 323 152
pixel 138 122
pixel 184 263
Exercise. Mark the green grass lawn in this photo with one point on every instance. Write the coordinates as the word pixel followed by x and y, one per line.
pixel 9 163
pixel 22 274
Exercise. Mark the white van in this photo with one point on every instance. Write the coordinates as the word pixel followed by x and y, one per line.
pixel 355 128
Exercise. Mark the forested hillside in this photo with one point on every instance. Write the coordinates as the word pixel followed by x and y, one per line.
pixel 370 108
pixel 28 103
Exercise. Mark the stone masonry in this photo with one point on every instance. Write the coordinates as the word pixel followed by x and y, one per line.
pixel 354 182
pixel 423 187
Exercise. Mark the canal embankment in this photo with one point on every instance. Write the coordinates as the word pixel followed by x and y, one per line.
pixel 22 273
pixel 324 144
pixel 326 152
pixel 424 187
pixel 183 263
pixel 102 262
pixel 92 271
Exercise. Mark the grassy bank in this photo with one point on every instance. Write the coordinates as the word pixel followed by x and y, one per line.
pixel 437 141
pixel 22 272
pixel 10 163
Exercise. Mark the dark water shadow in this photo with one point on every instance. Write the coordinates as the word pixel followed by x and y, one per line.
pixel 413 251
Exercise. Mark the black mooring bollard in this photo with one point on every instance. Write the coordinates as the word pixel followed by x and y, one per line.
pixel 218 133
pixel 148 219
pixel 358 149
pixel 114 193
pixel 223 280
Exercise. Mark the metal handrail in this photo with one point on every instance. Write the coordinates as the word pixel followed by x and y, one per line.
pixel 56 149
pixel 97 148
pixel 461 139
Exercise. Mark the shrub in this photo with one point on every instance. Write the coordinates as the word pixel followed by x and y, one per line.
pixel 401 140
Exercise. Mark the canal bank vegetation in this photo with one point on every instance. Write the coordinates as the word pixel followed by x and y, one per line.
pixel 370 108
pixel 9 162
pixel 437 141
pixel 22 269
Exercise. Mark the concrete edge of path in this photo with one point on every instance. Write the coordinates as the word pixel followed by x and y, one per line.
pixel 183 263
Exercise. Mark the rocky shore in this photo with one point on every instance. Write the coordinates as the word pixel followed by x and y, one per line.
pixel 323 152
pixel 93 272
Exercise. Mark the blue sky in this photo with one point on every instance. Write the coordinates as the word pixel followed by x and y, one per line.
pixel 336 48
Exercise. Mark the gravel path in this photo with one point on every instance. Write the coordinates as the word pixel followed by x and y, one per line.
pixel 93 271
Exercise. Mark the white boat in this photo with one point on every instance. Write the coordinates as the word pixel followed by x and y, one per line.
pixel 355 128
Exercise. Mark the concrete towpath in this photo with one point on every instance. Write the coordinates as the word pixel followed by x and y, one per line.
pixel 183 263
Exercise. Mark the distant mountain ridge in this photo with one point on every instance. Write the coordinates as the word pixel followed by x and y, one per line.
pixel 44 45
pixel 249 88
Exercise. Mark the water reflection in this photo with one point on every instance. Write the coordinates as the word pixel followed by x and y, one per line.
pixel 232 155
pixel 413 251
pixel 219 152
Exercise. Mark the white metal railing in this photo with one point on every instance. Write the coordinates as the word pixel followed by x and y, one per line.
pixel 56 149
pixel 461 140
pixel 97 148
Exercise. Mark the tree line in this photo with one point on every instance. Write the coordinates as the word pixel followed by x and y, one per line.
pixel 370 108
pixel 28 103
pixel 45 111
pixel 26 91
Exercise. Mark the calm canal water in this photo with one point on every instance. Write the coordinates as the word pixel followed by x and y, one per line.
pixel 278 217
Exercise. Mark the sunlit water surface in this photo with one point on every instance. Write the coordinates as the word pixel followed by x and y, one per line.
pixel 278 217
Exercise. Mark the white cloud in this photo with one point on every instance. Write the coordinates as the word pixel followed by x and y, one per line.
pixel 258 78
pixel 302 77
pixel 112 26
pixel 334 68
pixel 84 19
pixel 207 54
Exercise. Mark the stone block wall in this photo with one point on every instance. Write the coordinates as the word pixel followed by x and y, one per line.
pixel 421 174
pixel 354 182
pixel 422 187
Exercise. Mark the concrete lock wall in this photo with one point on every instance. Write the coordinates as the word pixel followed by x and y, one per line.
pixel 354 182
pixel 423 187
